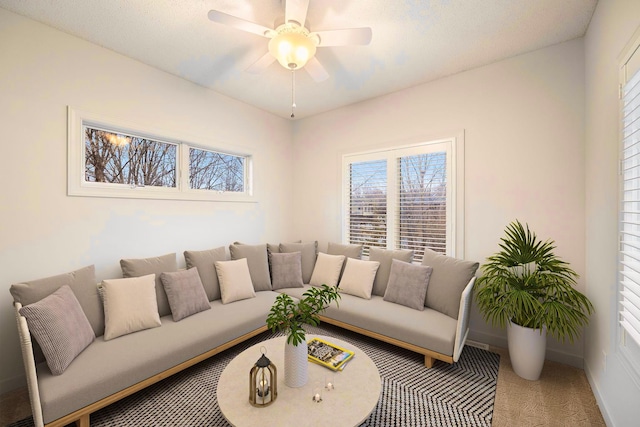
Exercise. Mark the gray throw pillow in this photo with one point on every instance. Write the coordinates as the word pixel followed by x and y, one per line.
pixel 408 284
pixel 185 293
pixel 205 262
pixel 60 327
pixel 384 257
pixel 449 278
pixel 156 265
pixel 258 262
pixel 286 269
pixel 309 253
pixel 83 284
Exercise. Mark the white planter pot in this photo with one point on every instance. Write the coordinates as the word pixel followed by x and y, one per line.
pixel 295 364
pixel 527 349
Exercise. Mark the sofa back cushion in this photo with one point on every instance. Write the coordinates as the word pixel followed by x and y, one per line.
pixel 257 261
pixel 136 267
pixel 449 278
pixel 205 261
pixel 83 284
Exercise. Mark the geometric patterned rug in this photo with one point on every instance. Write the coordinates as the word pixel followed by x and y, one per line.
pixel 461 394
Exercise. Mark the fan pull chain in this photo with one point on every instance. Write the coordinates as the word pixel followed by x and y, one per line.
pixel 293 93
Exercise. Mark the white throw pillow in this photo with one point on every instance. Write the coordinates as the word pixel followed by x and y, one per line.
pixel 327 270
pixel 358 277
pixel 235 280
pixel 129 305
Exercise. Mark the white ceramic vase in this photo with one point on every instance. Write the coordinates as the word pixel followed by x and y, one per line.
pixel 527 348
pixel 295 364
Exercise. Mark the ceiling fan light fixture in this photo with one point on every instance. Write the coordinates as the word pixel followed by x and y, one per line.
pixel 292 46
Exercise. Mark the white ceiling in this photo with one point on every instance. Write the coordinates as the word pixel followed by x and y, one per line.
pixel 413 41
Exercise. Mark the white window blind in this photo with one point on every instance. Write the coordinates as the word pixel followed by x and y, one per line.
pixel 401 199
pixel 630 209
pixel 422 213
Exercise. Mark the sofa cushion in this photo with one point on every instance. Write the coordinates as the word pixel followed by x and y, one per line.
pixel 235 280
pixel 327 270
pixel 309 252
pixel 136 267
pixel 286 270
pixel 357 278
pixel 60 327
pixel 449 278
pixel 258 262
pixel 185 293
pixel 83 284
pixel 130 305
pixel 205 262
pixel 348 250
pixel 408 284
pixel 384 257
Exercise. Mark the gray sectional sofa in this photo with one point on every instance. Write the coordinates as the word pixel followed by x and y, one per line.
pixel 191 317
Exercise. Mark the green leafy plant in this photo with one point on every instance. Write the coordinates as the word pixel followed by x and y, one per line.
pixel 289 316
pixel 527 284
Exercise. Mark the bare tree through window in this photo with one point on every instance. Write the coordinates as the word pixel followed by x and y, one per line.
pixel 210 170
pixel 123 159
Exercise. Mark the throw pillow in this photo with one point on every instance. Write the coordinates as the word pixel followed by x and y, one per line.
pixel 60 327
pixel 286 269
pixel 235 280
pixel 185 293
pixel 155 265
pixel 384 257
pixel 358 276
pixel 130 305
pixel 205 262
pixel 408 284
pixel 83 284
pixel 449 278
pixel 309 252
pixel 327 270
pixel 258 262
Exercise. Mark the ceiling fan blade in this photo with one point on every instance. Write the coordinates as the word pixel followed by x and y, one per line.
pixel 315 69
pixel 239 23
pixel 262 63
pixel 296 10
pixel 345 37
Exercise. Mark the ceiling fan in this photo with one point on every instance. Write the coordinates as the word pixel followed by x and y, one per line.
pixel 292 43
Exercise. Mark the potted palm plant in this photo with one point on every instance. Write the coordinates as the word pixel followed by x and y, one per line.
pixel 528 289
pixel 289 316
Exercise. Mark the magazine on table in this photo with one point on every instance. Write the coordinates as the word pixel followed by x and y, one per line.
pixel 328 354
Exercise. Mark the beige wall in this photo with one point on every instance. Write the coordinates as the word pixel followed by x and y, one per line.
pixel 523 120
pixel 617 389
pixel 44 232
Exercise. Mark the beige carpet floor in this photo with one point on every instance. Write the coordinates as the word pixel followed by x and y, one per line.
pixel 562 397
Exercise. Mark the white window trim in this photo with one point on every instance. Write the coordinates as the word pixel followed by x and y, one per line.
pixel 455 189
pixel 629 356
pixel 77 186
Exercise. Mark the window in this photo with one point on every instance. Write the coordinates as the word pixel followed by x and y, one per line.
pixel 106 160
pixel 629 213
pixel 404 198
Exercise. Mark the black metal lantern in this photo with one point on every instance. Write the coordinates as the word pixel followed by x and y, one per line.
pixel 263 382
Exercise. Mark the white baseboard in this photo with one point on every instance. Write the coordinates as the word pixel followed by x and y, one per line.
pixel 552 354
pixel 604 410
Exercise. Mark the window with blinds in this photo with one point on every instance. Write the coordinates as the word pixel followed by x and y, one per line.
pixel 629 254
pixel 400 199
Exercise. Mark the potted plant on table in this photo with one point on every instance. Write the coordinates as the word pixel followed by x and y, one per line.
pixel 528 289
pixel 290 316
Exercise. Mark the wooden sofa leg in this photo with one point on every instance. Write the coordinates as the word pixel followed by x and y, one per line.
pixel 84 421
pixel 429 361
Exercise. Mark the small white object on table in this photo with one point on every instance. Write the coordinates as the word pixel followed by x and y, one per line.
pixel 355 394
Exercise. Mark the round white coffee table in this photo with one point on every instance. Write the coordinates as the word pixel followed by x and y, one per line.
pixel 356 393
